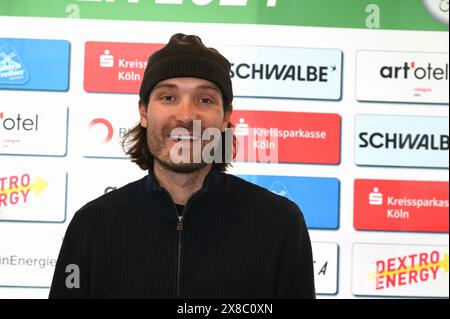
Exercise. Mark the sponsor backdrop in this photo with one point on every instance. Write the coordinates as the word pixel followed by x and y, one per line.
pixel 348 100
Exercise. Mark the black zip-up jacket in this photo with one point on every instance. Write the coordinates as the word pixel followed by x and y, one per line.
pixel 234 240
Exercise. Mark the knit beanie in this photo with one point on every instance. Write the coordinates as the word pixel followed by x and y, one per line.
pixel 187 56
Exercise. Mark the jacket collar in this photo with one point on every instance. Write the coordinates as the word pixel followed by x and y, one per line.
pixel 211 183
pixel 206 199
pixel 153 184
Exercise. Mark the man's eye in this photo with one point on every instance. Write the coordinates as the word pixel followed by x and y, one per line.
pixel 167 98
pixel 205 101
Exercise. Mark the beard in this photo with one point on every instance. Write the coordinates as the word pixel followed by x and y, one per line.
pixel 181 168
pixel 156 142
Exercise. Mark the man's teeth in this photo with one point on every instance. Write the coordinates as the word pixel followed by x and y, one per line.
pixel 184 137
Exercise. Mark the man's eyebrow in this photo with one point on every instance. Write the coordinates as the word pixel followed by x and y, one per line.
pixel 174 86
pixel 165 86
pixel 209 87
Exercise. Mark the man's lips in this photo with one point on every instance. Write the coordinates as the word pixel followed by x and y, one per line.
pixel 183 137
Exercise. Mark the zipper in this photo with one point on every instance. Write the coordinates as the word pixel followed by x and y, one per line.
pixel 180 248
pixel 180 228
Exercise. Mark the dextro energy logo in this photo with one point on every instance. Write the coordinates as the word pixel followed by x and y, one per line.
pixel 418 77
pixel 395 205
pixel 33 196
pixel 400 270
pixel 409 269
pixel 285 72
pixel 411 141
pixel 18 190
pixel 115 67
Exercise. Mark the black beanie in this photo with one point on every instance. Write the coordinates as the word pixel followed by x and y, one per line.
pixel 187 56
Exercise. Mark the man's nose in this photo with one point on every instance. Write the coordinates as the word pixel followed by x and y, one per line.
pixel 186 111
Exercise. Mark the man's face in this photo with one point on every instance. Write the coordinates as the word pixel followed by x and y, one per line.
pixel 177 103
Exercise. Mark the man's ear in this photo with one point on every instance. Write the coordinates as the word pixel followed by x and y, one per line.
pixel 226 118
pixel 143 114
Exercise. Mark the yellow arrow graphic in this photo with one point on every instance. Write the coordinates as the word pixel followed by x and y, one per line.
pixel 38 186
pixel 440 263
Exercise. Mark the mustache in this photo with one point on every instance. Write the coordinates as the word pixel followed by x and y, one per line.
pixel 190 126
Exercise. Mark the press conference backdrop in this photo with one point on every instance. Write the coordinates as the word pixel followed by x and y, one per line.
pixel 355 93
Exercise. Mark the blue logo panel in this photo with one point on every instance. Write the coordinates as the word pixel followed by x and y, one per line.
pixel 405 141
pixel 31 64
pixel 318 198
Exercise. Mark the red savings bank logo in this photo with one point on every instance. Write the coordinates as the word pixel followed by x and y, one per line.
pixel 410 269
pixel 116 67
pixel 287 137
pixel 105 124
pixel 18 189
pixel 392 205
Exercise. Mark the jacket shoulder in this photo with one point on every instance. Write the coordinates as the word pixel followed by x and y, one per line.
pixel 125 196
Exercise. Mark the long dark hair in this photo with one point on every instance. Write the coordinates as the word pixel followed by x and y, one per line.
pixel 134 144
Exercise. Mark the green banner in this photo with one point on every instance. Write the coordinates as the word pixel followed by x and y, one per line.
pixel 361 14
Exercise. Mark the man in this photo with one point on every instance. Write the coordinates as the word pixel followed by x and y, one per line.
pixel 187 230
